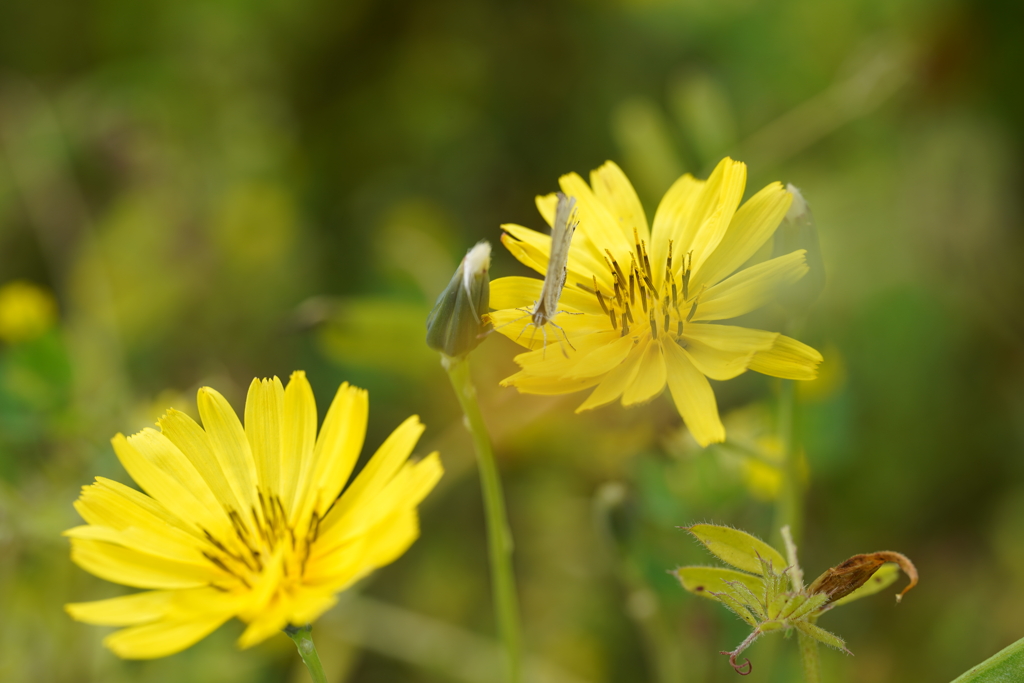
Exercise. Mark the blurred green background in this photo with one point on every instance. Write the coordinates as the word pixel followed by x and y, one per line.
pixel 212 191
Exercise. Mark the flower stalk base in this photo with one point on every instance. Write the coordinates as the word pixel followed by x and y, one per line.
pixel 303 637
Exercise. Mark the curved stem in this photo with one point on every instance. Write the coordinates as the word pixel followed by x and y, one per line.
pixel 499 537
pixel 303 637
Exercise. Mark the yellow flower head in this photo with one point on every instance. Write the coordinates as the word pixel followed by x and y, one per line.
pixel 246 522
pixel 26 311
pixel 641 305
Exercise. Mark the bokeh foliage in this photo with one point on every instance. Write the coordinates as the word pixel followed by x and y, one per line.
pixel 221 190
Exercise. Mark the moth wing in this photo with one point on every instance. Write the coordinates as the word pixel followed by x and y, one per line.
pixel 561 237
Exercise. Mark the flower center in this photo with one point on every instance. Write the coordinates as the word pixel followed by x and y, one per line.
pixel 635 297
pixel 246 552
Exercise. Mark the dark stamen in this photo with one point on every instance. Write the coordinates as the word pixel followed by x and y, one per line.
pixel 600 298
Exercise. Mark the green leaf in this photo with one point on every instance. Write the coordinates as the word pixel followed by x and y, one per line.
pixel 822 636
pixel 746 597
pixel 738 608
pixel 737 548
pixel 880 580
pixel 1006 666
pixel 812 604
pixel 792 605
pixel 705 580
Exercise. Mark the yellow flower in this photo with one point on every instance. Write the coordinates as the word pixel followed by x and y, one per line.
pixel 246 521
pixel 641 305
pixel 26 311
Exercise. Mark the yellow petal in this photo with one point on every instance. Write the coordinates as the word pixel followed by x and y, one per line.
pixel 112 504
pixel 729 337
pixel 693 397
pixel 162 638
pixel 750 288
pixel 650 377
pixel 382 545
pixel 166 475
pixel 384 464
pixel 170 543
pixel 193 442
pixel 523 292
pixel 533 249
pixel 563 330
pixel 263 411
pixel 602 359
pixel 334 455
pixel 598 229
pixel 405 490
pixel 722 352
pixel 788 359
pixel 714 209
pixel 618 380
pixel 265 624
pixel 615 191
pixel 138 569
pixel 310 605
pixel 546 205
pixel 127 610
pixel 750 228
pixel 547 386
pixel 671 220
pixel 298 434
pixel 231 447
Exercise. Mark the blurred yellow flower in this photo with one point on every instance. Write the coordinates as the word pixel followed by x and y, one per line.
pixel 26 311
pixel 246 522
pixel 641 305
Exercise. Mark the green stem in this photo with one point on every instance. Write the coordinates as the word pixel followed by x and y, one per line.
pixel 789 510
pixel 809 658
pixel 303 637
pixel 789 506
pixel 499 537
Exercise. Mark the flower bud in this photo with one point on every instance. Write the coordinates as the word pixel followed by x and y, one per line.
pixel 458 320
pixel 799 231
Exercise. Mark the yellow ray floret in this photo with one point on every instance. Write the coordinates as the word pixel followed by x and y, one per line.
pixel 641 306
pixel 245 521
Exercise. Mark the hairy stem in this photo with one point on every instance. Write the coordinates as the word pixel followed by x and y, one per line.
pixel 499 537
pixel 809 658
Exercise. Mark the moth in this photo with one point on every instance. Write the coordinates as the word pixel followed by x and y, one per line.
pixel 546 307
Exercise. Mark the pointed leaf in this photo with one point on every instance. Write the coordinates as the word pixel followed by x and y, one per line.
pixel 882 579
pixel 812 604
pixel 795 603
pixel 737 608
pixel 707 580
pixel 737 548
pixel 1005 666
pixel 748 598
pixel 822 636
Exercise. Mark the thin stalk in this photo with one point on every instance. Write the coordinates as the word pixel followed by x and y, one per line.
pixel 789 510
pixel 303 637
pixel 499 536
pixel 789 506
pixel 809 658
